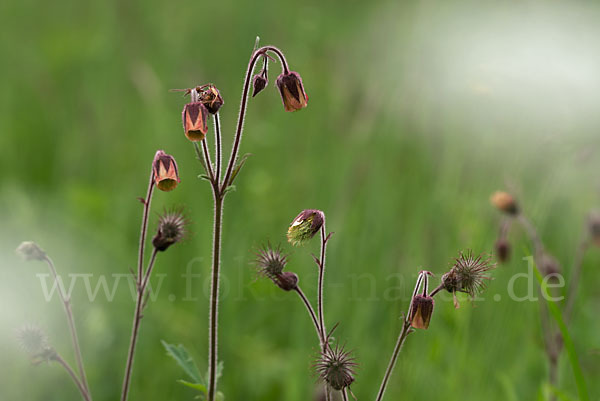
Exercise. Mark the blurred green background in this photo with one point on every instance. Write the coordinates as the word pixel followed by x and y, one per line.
pixel 418 110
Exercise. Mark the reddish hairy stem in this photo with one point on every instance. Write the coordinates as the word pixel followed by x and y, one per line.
pixel 137 318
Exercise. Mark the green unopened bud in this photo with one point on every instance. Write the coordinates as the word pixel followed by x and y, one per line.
pixel 305 226
pixel 29 250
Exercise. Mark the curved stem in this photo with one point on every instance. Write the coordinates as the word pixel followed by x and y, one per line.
pixel 137 318
pixel 218 157
pixel 71 373
pixel 71 321
pixel 205 163
pixel 209 165
pixel 312 314
pixel 214 298
pixel 244 106
pixel 321 281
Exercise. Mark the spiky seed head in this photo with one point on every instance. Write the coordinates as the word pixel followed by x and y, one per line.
pixel 270 261
pixel 336 367
pixel 505 202
pixel 502 250
pixel 171 229
pixel 32 339
pixel 420 311
pixel 468 274
pixel 29 250
pixel 305 226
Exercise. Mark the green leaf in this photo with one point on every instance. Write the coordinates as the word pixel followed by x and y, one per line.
pixel 568 342
pixel 183 359
pixel 237 168
pixel 219 396
pixel 196 386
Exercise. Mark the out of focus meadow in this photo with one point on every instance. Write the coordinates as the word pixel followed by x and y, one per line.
pixel 418 110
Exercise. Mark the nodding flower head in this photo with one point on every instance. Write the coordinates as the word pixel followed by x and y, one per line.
pixel 505 202
pixel 468 275
pixel 195 121
pixel 549 266
pixel 292 92
pixel 305 226
pixel 336 367
pixel 29 250
pixel 594 226
pixel 171 229
pixel 259 82
pixel 270 263
pixel 421 305
pixel 166 175
pixel 210 96
pixel 502 250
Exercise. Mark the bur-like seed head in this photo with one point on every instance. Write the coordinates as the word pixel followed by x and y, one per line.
pixel 505 202
pixel 594 226
pixel 336 367
pixel 211 98
pixel 32 339
pixel 502 250
pixel 29 250
pixel 270 263
pixel 305 226
pixel 171 229
pixel 195 121
pixel 259 82
pixel 468 274
pixel 421 310
pixel 166 174
pixel 292 92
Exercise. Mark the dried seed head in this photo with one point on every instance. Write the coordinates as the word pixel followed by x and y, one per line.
pixel 171 229
pixel 594 226
pixel 505 202
pixel 29 250
pixel 32 339
pixel 211 98
pixel 259 82
pixel 336 367
pixel 166 175
pixel 292 92
pixel 270 262
pixel 195 121
pixel 468 274
pixel 305 226
pixel 502 250
pixel 420 311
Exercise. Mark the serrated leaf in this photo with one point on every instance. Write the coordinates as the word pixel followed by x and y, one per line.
pixel 219 396
pixel 230 188
pixel 219 372
pixel 237 168
pixel 183 359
